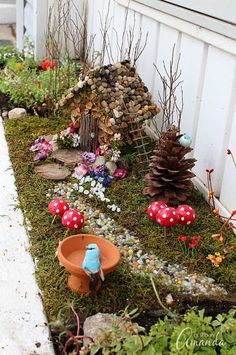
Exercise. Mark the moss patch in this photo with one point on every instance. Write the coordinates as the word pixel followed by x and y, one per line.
pixel 121 287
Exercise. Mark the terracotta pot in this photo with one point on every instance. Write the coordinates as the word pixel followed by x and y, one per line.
pixel 71 253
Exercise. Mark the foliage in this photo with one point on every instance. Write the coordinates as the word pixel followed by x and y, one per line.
pixel 32 88
pixel 9 52
pixel 192 333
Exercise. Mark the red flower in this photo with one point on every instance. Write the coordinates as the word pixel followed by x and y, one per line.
pixel 233 213
pixel 193 244
pixel 230 226
pixel 120 173
pixel 72 128
pixel 228 151
pixel 196 237
pixel 48 64
pixel 183 238
pixel 201 247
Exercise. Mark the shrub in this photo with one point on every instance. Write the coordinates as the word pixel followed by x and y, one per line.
pixel 35 89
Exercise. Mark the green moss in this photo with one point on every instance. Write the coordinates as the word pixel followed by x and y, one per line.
pixel 121 288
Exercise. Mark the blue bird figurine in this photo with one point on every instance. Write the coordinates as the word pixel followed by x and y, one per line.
pixel 92 267
pixel 185 140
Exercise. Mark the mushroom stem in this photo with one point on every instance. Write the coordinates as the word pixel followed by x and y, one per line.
pixel 165 231
pixel 53 220
pixel 66 233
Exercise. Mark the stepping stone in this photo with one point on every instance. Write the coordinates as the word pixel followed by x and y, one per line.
pixel 70 157
pixel 52 171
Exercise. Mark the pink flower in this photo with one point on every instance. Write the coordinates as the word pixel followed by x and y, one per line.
pixel 80 171
pixel 120 173
pixel 98 151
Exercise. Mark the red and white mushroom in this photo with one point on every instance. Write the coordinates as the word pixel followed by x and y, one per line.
pixel 73 219
pixel 167 217
pixel 58 207
pixel 186 214
pixel 153 208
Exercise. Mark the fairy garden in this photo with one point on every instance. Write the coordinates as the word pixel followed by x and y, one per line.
pixel 115 222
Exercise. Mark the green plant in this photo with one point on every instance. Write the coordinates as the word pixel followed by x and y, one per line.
pixel 35 93
pixel 7 52
pixel 192 333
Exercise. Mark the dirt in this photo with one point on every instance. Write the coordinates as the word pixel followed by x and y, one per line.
pixel 5 104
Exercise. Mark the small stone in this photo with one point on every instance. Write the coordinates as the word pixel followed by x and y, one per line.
pixel 17 113
pixel 112 121
pixel 104 103
pixel 4 114
pixel 96 324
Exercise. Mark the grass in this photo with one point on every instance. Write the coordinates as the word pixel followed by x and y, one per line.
pixel 121 288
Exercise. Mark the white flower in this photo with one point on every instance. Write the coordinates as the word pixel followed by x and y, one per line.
pixel 113 208
pixel 118 209
pixel 90 195
pixel 86 192
pixel 108 200
pixel 93 183
pixel 81 189
pixel 117 136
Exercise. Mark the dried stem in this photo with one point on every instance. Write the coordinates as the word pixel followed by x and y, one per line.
pixel 171 110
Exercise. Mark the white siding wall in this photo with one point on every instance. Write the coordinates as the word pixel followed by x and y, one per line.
pixel 32 16
pixel 208 64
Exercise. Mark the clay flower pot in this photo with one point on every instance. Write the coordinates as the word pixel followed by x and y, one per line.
pixel 71 253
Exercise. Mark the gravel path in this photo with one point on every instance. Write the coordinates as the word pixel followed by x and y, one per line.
pixel 132 254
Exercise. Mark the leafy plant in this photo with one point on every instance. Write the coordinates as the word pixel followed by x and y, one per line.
pixel 9 52
pixel 32 88
pixel 192 333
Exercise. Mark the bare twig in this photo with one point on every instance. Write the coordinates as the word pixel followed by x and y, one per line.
pixel 171 109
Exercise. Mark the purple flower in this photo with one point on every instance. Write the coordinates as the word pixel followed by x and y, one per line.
pixel 88 158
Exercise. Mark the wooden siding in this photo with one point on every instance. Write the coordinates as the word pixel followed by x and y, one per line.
pixel 208 64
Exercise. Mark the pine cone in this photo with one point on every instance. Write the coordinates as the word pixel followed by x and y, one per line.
pixel 169 177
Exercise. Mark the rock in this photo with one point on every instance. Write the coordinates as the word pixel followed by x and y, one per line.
pixel 52 171
pixel 99 161
pixel 70 157
pixel 112 121
pixel 111 166
pixel 4 115
pixel 17 113
pixel 95 325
